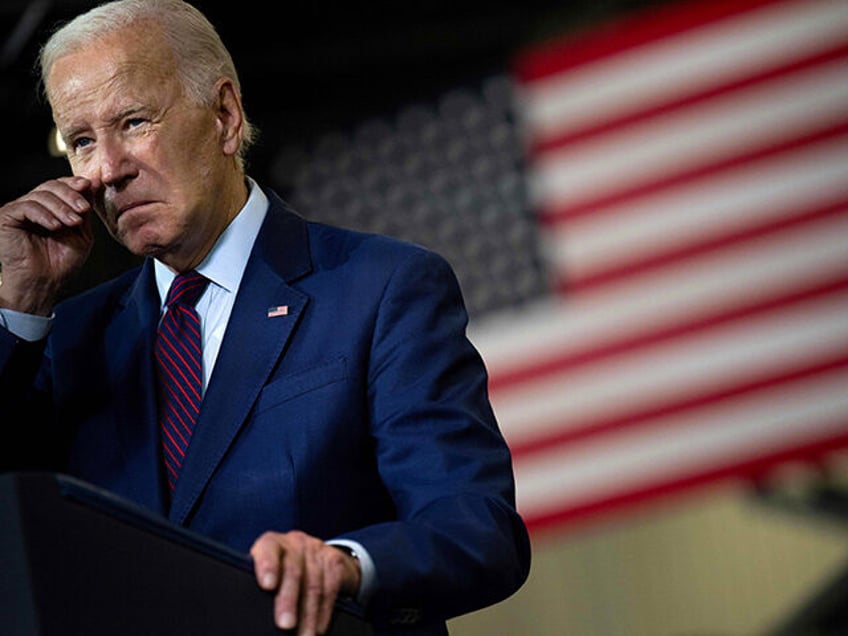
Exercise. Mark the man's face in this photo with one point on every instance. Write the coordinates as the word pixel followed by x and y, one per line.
pixel 154 157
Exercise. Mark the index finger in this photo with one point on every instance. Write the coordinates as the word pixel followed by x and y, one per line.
pixel 266 552
pixel 77 182
pixel 73 191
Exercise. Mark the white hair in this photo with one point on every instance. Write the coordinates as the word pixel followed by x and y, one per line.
pixel 200 56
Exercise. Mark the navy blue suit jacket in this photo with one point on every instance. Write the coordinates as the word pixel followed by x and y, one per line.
pixel 361 413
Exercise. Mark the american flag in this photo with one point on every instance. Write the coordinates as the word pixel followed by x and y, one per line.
pixel 689 170
pixel 279 310
pixel 652 241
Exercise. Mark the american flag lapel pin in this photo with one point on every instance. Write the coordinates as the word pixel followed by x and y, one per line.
pixel 279 310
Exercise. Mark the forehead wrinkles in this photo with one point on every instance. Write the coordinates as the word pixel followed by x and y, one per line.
pixel 113 70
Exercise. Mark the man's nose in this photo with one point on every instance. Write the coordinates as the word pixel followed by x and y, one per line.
pixel 114 161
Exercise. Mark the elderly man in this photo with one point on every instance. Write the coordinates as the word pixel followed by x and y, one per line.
pixel 303 392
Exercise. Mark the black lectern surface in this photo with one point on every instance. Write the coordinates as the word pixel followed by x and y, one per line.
pixel 76 560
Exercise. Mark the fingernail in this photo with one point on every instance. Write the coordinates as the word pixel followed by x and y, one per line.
pixel 286 620
pixel 268 579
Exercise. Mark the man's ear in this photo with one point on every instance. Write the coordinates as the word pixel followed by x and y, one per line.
pixel 230 120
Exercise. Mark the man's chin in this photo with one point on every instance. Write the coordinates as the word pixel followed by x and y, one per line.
pixel 140 244
pixel 140 238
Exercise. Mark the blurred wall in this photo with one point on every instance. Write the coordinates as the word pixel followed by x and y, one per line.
pixel 718 564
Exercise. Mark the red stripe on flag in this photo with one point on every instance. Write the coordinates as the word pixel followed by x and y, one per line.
pixel 555 518
pixel 659 258
pixel 833 287
pixel 781 73
pixel 646 27
pixel 734 387
pixel 608 202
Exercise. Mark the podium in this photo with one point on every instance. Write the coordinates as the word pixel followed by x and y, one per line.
pixel 76 560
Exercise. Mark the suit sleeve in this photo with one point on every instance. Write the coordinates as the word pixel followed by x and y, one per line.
pixel 458 544
pixel 27 443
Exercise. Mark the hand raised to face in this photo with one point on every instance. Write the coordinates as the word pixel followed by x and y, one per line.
pixel 45 236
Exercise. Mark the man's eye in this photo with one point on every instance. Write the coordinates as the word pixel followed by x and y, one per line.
pixel 134 122
pixel 80 142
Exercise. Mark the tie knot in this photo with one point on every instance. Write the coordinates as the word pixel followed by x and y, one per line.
pixel 186 289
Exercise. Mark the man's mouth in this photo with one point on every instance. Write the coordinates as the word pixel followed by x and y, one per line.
pixel 123 208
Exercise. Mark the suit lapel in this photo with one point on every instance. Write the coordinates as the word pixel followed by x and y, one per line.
pixel 252 346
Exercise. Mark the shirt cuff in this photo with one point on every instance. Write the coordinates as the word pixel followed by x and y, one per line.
pixel 366 564
pixel 26 326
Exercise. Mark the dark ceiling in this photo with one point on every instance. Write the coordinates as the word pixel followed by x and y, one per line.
pixel 305 66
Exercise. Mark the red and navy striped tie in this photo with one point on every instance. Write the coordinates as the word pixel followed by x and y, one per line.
pixel 179 363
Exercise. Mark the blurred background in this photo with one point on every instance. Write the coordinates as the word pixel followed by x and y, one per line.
pixel 646 203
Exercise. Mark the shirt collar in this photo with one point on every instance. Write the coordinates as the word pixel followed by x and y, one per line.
pixel 226 261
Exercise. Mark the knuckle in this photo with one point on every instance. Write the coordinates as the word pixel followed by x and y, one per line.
pixel 294 567
pixel 267 536
pixel 314 588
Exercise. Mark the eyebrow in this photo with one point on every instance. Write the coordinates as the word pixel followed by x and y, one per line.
pixel 122 114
